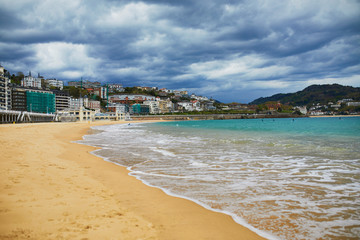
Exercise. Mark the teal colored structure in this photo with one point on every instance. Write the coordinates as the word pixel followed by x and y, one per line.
pixel 40 102
pixel 140 109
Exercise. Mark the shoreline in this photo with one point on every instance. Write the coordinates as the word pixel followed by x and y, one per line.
pixel 332 116
pixel 53 187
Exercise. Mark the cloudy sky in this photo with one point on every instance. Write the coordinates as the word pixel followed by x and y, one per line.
pixel 229 50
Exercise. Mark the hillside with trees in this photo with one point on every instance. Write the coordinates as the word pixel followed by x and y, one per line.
pixel 314 94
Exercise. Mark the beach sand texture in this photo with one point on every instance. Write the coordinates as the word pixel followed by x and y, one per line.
pixel 54 189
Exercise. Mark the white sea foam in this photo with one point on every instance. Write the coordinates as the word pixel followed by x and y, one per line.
pixel 162 151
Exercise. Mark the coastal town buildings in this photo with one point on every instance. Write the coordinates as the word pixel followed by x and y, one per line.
pixel 40 101
pixel 115 87
pixel 53 82
pixel 353 104
pixel 84 84
pixel 130 98
pixel 141 109
pixel 166 106
pixel 102 92
pixel 18 102
pixel 32 100
pixel 5 91
pixel 154 106
pixel 118 107
pixel 62 100
pixel 94 105
pixel 79 103
pixel 30 81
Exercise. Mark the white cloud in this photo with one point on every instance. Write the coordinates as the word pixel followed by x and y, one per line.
pixel 132 14
pixel 243 68
pixel 60 56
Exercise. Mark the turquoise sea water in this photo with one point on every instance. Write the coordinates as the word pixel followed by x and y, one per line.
pixel 283 178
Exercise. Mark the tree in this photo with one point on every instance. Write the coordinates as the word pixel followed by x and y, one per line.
pixel 17 79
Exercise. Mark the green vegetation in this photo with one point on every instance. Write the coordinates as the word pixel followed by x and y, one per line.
pixel 17 79
pixel 314 94
pixel 75 92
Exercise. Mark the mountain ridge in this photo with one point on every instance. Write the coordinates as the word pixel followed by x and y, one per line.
pixel 313 94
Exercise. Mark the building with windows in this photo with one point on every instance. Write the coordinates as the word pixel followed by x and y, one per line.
pixel 84 84
pixel 40 101
pixel 166 106
pixel 32 100
pixel 18 99
pixel 5 91
pixel 54 83
pixel 30 81
pixel 141 109
pixel 77 103
pixel 154 106
pixel 130 98
pixel 62 100
pixel 118 107
pixel 84 103
pixel 115 87
pixel 93 104
pixel 102 92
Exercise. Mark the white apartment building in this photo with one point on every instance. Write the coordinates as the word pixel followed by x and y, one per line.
pixel 5 92
pixel 81 103
pixel 30 81
pixel 115 87
pixel 77 103
pixel 191 106
pixel 154 106
pixel 353 104
pixel 188 106
pixel 55 83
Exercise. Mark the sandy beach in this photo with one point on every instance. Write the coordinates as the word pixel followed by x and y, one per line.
pixel 52 188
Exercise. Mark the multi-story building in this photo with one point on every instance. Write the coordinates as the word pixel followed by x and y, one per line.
pixel 353 104
pixel 62 100
pixel 115 87
pixel 118 107
pixel 5 93
pixel 154 106
pixel 166 106
pixel 130 98
pixel 40 101
pixel 191 106
pixel 102 92
pixel 30 81
pixel 84 84
pixel 93 104
pixel 140 109
pixel 54 83
pixel 81 103
pixel 77 103
pixel 32 100
pixel 18 99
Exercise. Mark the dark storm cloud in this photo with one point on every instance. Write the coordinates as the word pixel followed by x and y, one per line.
pixel 231 50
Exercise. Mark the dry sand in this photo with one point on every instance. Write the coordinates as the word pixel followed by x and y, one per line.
pixel 54 189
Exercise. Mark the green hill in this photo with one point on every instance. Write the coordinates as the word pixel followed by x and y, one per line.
pixel 314 94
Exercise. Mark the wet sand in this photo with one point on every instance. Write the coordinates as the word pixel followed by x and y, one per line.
pixel 52 188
